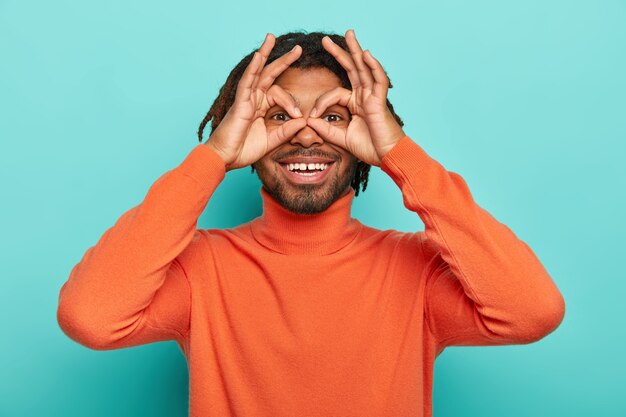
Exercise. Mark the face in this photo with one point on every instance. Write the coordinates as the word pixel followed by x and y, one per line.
pixel 299 193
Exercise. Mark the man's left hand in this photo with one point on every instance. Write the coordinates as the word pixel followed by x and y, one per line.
pixel 373 131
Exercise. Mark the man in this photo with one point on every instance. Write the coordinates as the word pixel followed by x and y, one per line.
pixel 305 311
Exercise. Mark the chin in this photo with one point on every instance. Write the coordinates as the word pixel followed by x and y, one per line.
pixel 304 198
pixel 307 198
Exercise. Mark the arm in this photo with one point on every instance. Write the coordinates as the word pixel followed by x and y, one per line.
pixel 130 288
pixel 484 286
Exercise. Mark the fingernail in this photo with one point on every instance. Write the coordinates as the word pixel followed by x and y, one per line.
pixel 313 112
pixel 294 48
pixel 298 112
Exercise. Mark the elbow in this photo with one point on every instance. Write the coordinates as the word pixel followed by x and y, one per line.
pixel 542 320
pixel 77 328
pixel 79 320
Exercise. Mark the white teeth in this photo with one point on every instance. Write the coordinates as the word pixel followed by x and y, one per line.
pixel 303 166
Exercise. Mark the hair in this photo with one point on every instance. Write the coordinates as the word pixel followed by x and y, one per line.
pixel 313 56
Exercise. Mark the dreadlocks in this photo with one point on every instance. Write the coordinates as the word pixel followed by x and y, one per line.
pixel 313 56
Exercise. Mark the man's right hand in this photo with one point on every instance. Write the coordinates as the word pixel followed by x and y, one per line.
pixel 241 137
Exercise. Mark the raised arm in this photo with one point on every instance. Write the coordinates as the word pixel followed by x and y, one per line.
pixel 129 288
pixel 484 286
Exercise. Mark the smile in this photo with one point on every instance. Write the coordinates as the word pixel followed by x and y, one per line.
pixel 302 173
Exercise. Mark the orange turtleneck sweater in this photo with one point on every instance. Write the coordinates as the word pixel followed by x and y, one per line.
pixel 309 315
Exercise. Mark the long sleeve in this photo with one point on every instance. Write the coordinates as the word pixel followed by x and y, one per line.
pixel 484 286
pixel 130 288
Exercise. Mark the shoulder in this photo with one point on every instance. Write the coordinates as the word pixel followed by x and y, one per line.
pixel 213 239
pixel 209 247
pixel 392 238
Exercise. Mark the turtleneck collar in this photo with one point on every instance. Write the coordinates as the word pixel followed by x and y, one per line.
pixel 290 233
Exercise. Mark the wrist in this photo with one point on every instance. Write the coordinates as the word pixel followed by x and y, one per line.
pixel 397 137
pixel 217 150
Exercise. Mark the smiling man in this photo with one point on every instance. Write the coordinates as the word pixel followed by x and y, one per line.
pixel 304 310
pixel 287 175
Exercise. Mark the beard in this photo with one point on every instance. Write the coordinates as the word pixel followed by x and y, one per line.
pixel 305 198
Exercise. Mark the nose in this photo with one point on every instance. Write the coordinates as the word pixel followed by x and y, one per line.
pixel 306 137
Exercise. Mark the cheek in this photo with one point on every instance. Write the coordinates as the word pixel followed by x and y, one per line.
pixel 341 124
pixel 352 165
pixel 346 167
pixel 264 165
pixel 271 124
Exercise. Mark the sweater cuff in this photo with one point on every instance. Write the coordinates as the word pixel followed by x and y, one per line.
pixel 203 165
pixel 405 159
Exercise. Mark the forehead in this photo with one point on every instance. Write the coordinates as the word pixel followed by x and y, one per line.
pixel 307 81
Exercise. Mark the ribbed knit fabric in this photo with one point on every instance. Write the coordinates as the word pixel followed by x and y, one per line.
pixel 283 231
pixel 309 315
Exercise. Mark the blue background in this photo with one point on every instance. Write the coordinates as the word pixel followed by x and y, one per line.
pixel 526 100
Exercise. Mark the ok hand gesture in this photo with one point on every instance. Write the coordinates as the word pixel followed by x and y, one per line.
pixel 241 137
pixel 373 130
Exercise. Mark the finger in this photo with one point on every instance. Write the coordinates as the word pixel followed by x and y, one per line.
pixel 244 86
pixel 328 132
pixel 264 51
pixel 344 59
pixel 381 81
pixel 365 73
pixel 284 133
pixel 276 95
pixel 337 95
pixel 267 46
pixel 273 70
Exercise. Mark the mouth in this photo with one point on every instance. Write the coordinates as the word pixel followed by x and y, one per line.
pixel 306 173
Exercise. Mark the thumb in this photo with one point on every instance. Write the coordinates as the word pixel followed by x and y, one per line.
pixel 328 132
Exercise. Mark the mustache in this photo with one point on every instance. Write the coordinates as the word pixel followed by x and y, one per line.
pixel 305 154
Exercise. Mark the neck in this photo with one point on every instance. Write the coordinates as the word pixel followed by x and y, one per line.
pixel 289 233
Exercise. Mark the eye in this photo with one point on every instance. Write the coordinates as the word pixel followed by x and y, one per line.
pixel 283 117
pixel 335 116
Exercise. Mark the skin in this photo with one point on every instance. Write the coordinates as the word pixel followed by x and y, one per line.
pixel 253 131
pixel 305 86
